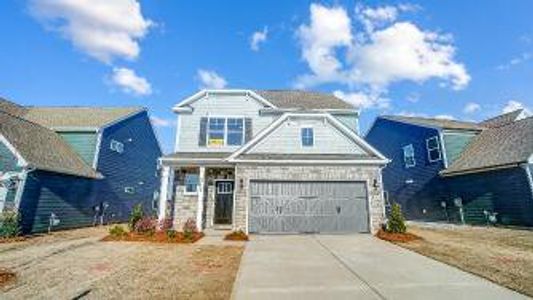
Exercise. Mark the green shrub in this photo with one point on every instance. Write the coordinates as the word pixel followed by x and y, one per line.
pixel 136 215
pixel 189 229
pixel 9 224
pixel 396 222
pixel 117 231
pixel 171 234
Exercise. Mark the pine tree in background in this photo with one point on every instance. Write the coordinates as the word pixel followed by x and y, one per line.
pixel 396 222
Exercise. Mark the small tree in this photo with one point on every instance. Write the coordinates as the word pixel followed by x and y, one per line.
pixel 136 215
pixel 396 222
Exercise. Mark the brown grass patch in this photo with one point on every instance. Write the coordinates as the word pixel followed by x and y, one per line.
pixel 236 236
pixel 503 256
pixel 6 277
pixel 4 240
pixel 158 237
pixel 397 237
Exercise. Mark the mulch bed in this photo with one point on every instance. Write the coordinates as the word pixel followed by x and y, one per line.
pixel 12 239
pixel 397 237
pixel 236 236
pixel 6 277
pixel 158 237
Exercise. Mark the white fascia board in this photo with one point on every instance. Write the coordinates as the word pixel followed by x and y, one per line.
pixel 260 136
pixel 205 93
pixel 313 162
pixel 98 146
pixel 360 141
pixel 74 129
pixel 182 110
pixel 442 149
pixel 21 161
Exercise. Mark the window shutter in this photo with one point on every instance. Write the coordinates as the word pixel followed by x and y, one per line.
pixel 203 132
pixel 248 127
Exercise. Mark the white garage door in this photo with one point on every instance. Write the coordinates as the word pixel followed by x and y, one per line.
pixel 308 206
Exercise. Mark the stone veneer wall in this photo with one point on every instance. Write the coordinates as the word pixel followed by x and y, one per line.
pixel 185 207
pixel 244 173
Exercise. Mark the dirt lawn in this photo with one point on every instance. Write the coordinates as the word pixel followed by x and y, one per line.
pixel 76 263
pixel 504 256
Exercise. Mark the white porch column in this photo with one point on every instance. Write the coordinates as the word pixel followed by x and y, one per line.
pixel 165 192
pixel 200 210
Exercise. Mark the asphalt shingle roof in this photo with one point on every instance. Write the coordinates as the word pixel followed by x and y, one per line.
pixel 303 99
pixel 12 108
pixel 42 148
pixel 497 146
pixel 502 120
pixel 442 123
pixel 54 117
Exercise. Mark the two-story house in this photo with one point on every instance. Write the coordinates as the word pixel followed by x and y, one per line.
pixel 76 166
pixel 271 161
pixel 458 171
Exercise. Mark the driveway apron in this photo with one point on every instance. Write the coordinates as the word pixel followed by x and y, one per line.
pixel 351 267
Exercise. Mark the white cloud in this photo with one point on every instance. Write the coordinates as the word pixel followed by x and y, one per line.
pixel 471 107
pixel 513 105
pixel 130 82
pixel 211 80
pixel 161 122
pixel 404 52
pixel 102 29
pixel 362 100
pixel 257 38
pixel 329 29
pixel 522 58
pixel 385 52
pixel 445 117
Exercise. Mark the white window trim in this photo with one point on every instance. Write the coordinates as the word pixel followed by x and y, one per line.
pixel 225 130
pixel 438 148
pixel 185 192
pixel 129 190
pixel 112 145
pixel 301 137
pixel 404 156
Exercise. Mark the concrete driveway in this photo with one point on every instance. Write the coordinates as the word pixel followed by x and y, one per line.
pixel 351 267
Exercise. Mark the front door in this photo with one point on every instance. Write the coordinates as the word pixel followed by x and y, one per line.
pixel 223 202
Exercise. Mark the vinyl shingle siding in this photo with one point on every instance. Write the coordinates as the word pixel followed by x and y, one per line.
pixel 84 143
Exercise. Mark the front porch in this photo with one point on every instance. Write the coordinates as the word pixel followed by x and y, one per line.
pixel 202 193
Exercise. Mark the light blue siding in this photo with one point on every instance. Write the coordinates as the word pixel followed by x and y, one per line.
pixel 219 105
pixel 351 121
pixel 455 142
pixel 327 139
pixel 84 143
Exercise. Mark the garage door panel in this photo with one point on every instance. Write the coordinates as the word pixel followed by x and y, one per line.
pixel 278 206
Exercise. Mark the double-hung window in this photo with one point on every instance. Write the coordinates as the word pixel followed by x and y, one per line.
pixel 225 132
pixel 235 132
pixel 433 148
pixel 216 132
pixel 409 156
pixel 307 136
pixel 191 183
pixel 116 146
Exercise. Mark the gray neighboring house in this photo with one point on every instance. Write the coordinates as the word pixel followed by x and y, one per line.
pixel 278 161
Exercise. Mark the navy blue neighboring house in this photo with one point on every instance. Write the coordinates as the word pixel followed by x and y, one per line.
pixel 76 166
pixel 442 167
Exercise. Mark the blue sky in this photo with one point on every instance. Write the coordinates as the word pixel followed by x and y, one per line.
pixel 433 58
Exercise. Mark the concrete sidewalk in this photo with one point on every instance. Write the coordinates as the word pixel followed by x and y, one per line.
pixel 351 267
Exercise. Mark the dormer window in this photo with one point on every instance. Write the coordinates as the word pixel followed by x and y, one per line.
pixel 307 136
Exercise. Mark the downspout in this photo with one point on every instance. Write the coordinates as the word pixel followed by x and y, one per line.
pixel 529 177
pixel 443 150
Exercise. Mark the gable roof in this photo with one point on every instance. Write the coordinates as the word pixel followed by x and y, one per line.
pixel 373 157
pixel 432 122
pixel 495 147
pixel 42 148
pixel 303 99
pixel 73 116
pixel 502 120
